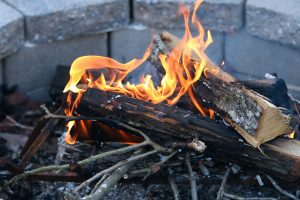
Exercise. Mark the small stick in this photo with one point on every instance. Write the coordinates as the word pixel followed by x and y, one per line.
pixel 17 124
pixel 82 162
pixel 159 165
pixel 145 171
pixel 109 170
pixel 167 158
pixel 111 180
pixel 173 186
pixel 222 187
pixel 279 189
pixel 147 141
pixel 191 177
pixel 99 182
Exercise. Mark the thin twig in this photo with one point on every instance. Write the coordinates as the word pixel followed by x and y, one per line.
pixel 101 181
pixel 109 170
pixel 111 180
pixel 17 124
pixel 159 165
pixel 147 141
pixel 222 187
pixel 82 162
pixel 173 186
pixel 279 189
pixel 145 171
pixel 163 161
pixel 191 177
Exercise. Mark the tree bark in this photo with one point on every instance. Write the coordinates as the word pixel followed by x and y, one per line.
pixel 168 124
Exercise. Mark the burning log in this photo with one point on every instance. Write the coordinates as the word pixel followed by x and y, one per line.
pixel 170 125
pixel 248 112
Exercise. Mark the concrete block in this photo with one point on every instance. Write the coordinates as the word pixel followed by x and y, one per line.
pixel 131 43
pixel 222 15
pixel 52 20
pixel 254 56
pixel 11 30
pixel 275 20
pixel 1 77
pixel 219 15
pixel 33 66
pixel 294 90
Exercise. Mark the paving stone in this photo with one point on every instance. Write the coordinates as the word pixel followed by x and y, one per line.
pixel 294 90
pixel 33 67
pixel 132 42
pixel 275 20
pixel 219 15
pixel 254 56
pixel 129 43
pixel 1 77
pixel 222 15
pixel 51 20
pixel 11 30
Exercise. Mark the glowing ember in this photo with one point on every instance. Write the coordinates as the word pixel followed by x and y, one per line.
pixel 180 73
pixel 291 135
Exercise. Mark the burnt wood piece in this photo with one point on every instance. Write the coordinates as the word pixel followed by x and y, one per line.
pixel 166 124
pixel 38 137
pixel 274 89
pixel 248 112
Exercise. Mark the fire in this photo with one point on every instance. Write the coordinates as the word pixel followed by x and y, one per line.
pixel 291 135
pixel 180 73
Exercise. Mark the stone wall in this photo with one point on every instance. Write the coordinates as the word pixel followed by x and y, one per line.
pixel 252 37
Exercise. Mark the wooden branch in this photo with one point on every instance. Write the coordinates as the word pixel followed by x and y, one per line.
pixel 111 180
pixel 191 176
pixel 249 113
pixel 279 189
pixel 82 162
pixel 222 187
pixel 166 124
pixel 173 186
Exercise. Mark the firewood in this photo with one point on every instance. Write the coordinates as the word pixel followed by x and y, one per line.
pixel 168 124
pixel 248 112
pixel 275 89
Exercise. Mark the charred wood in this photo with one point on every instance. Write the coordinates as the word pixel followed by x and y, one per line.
pixel 168 124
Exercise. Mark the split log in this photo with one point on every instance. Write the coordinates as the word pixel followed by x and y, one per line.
pixel 275 89
pixel 168 124
pixel 248 112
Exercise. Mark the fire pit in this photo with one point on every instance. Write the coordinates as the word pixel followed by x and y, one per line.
pixel 170 124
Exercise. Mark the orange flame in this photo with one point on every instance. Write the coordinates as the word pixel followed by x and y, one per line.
pixel 180 72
